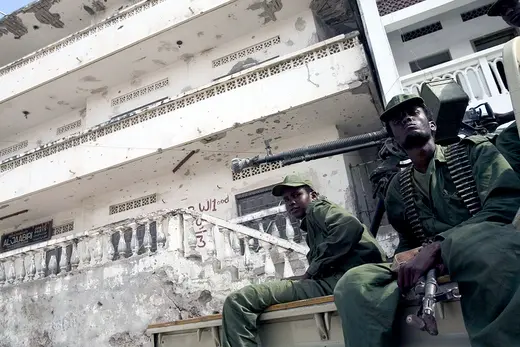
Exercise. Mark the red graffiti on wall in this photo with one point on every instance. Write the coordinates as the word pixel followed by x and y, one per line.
pixel 210 205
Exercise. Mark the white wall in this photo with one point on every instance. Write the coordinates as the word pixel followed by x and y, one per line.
pixel 44 133
pixel 380 50
pixel 455 36
pixel 198 70
pixel 336 73
pixel 183 76
pixel 107 41
pixel 205 177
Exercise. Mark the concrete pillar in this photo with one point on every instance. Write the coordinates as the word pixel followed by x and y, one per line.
pixel 380 49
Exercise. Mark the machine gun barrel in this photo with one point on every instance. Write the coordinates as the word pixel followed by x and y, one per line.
pixel 313 152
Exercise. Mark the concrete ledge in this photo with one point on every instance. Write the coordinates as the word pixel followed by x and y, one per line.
pixel 419 12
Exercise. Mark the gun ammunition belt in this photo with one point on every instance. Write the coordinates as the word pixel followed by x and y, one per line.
pixel 410 211
pixel 462 176
pixel 465 185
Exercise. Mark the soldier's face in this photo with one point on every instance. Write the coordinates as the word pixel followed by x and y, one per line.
pixel 411 127
pixel 297 200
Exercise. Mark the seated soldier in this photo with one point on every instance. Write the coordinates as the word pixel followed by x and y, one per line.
pixel 470 234
pixel 337 242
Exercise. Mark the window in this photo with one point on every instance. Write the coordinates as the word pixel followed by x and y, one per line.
pixel 494 39
pixel 432 60
pixel 475 13
pixel 422 31
pixel 132 204
pixel 262 199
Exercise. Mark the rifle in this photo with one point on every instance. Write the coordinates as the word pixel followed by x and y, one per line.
pixel 429 290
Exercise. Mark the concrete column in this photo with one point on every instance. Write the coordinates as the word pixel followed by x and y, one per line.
pixel 380 49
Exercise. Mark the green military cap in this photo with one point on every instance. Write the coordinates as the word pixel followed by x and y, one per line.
pixel 398 102
pixel 497 8
pixel 290 181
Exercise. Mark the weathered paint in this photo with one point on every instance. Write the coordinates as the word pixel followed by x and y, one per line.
pixel 268 8
pixel 111 305
pixel 162 50
pixel 318 82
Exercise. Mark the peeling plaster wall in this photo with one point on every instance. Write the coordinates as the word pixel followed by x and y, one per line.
pixel 109 306
pixel 194 71
pixel 42 22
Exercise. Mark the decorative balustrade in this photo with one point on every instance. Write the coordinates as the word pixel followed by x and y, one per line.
pixel 228 246
pixel 481 75
pixel 243 246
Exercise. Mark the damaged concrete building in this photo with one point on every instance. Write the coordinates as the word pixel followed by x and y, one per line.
pixel 119 122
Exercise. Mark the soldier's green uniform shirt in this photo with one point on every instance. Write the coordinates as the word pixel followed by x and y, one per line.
pixel 508 144
pixel 481 252
pixel 337 242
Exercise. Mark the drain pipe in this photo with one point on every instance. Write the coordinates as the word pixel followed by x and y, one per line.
pixel 313 152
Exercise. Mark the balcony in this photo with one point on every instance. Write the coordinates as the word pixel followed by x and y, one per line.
pixel 318 78
pixel 481 75
pixel 399 14
pixel 256 245
pixel 222 245
pixel 41 22
pixel 111 52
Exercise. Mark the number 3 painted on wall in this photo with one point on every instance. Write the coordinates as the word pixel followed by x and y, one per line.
pixel 201 243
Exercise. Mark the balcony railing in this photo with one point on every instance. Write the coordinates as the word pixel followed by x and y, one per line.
pixel 192 110
pixel 163 107
pixel 216 245
pixel 481 75
pixel 77 36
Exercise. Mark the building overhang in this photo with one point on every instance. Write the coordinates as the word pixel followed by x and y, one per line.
pixel 43 22
pixel 121 49
pixel 419 12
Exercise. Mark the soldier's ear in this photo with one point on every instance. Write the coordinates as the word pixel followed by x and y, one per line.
pixel 314 195
pixel 433 126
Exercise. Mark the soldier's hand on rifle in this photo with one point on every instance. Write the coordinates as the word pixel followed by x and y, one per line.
pixel 410 272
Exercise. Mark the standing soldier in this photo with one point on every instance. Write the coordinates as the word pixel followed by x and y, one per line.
pixel 460 200
pixel 337 242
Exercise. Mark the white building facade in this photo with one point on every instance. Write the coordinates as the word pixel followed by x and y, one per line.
pixel 119 123
pixel 429 39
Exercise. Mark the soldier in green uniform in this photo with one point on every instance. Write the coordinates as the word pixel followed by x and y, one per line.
pixel 337 242
pixel 508 144
pixel 474 241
